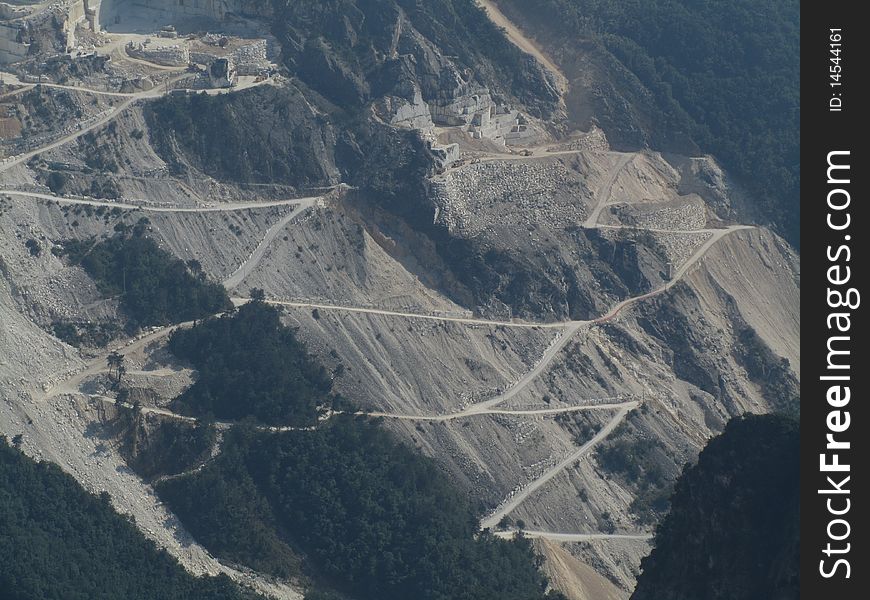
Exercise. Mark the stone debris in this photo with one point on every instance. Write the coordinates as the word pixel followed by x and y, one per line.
pixel 508 194
pixel 169 55
pixel 683 214
pixel 679 247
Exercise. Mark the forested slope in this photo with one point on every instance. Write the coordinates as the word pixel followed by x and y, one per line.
pixel 732 532
pixel 344 504
pixel 60 543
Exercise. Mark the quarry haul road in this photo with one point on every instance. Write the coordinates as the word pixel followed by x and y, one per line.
pixel 164 412
pixel 5 166
pixel 503 510
pixel 225 207
pixel 98 364
pixel 576 537
pixel 243 82
pixel 606 191
pixel 539 152
pixel 475 410
pixel 572 327
pixel 257 255
pixel 156 92
pixel 519 39
pixel 507 507
pixel 153 93
pixel 409 315
pixel 224 425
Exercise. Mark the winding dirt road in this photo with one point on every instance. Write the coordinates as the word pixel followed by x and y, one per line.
pixel 569 329
pixel 572 327
pixel 522 42
pixel 513 502
pixel 223 207
pixel 257 255
pixel 605 192
pixel 576 537
pixel 155 92
pixel 476 410
pixel 71 384
pixel 8 164
pixel 508 506
pixel 97 365
pixel 409 315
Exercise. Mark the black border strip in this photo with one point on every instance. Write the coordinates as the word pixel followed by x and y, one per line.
pixel 824 131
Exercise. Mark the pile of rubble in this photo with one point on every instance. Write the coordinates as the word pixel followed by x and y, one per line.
pixel 170 55
pixel 249 57
pixel 592 141
pixel 484 195
pixel 683 214
pixel 679 247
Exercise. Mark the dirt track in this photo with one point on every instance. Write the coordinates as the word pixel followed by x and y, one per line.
pixel 606 191
pixel 570 328
pixel 257 255
pixel 130 99
pixel 519 39
pixel 577 537
pixel 507 507
pixel 223 207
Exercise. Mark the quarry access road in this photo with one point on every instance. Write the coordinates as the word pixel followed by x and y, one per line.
pixel 159 89
pixel 11 78
pixel 410 315
pixel 476 410
pixel 96 365
pixel 543 363
pixel 21 90
pixel 519 39
pixel 223 207
pixel 256 256
pixel 681 272
pixel 76 88
pixel 156 92
pixel 514 501
pixel 110 115
pixel 657 229
pixel 536 153
pixel 122 55
pixel 606 191
pixel 8 164
pixel 576 537
pixel 164 412
pixel 99 366
pixel 572 327
pixel 224 425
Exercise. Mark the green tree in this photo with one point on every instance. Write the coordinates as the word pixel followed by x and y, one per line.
pixel 61 542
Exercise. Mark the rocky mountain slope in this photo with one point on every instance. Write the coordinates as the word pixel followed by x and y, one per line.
pixel 559 324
